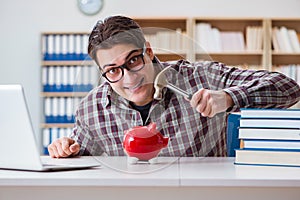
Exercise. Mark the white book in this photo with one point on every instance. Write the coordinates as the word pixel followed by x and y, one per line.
pixel 69 107
pixel 298 74
pixel 94 71
pixel 270 113
pixel 286 40
pixel 78 75
pixel 71 75
pixel 64 44
pixel 275 39
pixel 259 41
pixel 269 133
pixel 45 75
pixel 86 77
pixel 267 157
pixel 51 75
pixel 78 44
pixel 217 43
pixel 232 41
pixel 62 106
pixel 54 134
pixel 65 77
pixel 270 123
pixel 46 137
pixel 48 107
pixel 202 37
pixel 71 44
pixel 61 132
pixel 270 144
pixel 68 132
pixel 44 44
pixel 85 43
pixel 58 73
pixel 50 44
pixel 294 40
pixel 57 39
pixel 55 104
pixel 249 32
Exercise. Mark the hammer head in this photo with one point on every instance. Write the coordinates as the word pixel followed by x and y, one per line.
pixel 159 83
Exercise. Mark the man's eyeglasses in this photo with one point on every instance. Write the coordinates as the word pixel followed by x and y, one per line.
pixel 133 64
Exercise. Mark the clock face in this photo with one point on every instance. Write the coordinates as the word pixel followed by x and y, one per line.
pixel 90 7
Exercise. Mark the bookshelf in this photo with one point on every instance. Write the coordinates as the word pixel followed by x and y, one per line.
pixel 285 54
pixel 68 74
pixel 171 39
pixel 285 47
pixel 245 47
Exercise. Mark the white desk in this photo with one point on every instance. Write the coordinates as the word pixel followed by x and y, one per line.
pixel 170 178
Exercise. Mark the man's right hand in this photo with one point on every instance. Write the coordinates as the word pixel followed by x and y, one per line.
pixel 63 147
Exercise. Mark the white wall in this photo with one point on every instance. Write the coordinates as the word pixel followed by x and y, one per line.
pixel 21 23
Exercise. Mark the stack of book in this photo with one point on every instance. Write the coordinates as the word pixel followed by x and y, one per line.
pixel 269 137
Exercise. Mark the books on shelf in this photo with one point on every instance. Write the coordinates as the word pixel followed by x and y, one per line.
pixel 269 137
pixel 167 41
pixel 65 46
pixel 285 40
pixel 51 134
pixel 211 39
pixel 79 78
pixel 292 71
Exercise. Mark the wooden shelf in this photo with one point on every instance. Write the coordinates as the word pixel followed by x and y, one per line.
pixel 232 59
pixel 67 63
pixel 44 125
pixel 64 94
pixel 285 58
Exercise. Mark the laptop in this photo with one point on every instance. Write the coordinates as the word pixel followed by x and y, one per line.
pixel 18 146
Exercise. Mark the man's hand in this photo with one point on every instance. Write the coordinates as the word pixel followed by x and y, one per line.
pixel 209 102
pixel 63 147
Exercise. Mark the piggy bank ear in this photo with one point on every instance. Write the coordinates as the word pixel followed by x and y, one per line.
pixel 152 127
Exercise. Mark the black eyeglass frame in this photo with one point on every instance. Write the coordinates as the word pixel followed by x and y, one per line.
pixel 124 66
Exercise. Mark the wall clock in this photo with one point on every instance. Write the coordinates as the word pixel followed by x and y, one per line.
pixel 90 7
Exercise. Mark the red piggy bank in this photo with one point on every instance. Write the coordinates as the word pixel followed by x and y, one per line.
pixel 143 143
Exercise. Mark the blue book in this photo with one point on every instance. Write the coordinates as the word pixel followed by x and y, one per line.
pixel 233 123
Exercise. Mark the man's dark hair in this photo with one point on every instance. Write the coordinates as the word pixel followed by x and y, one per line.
pixel 114 30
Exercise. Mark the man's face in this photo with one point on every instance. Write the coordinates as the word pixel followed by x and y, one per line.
pixel 136 87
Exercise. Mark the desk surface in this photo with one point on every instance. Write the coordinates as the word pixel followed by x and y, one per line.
pixel 114 171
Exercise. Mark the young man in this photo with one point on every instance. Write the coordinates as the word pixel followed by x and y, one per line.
pixel 195 127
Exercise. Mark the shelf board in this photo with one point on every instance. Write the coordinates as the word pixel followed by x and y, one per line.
pixel 170 56
pixel 68 62
pixel 233 53
pixel 44 125
pixel 169 23
pixel 64 94
pixel 238 58
pixel 274 53
pixel 285 58
pixel 66 33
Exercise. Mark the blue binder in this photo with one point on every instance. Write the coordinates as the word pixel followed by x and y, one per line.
pixel 233 123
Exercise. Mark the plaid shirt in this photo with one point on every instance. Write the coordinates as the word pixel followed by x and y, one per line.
pixel 103 116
